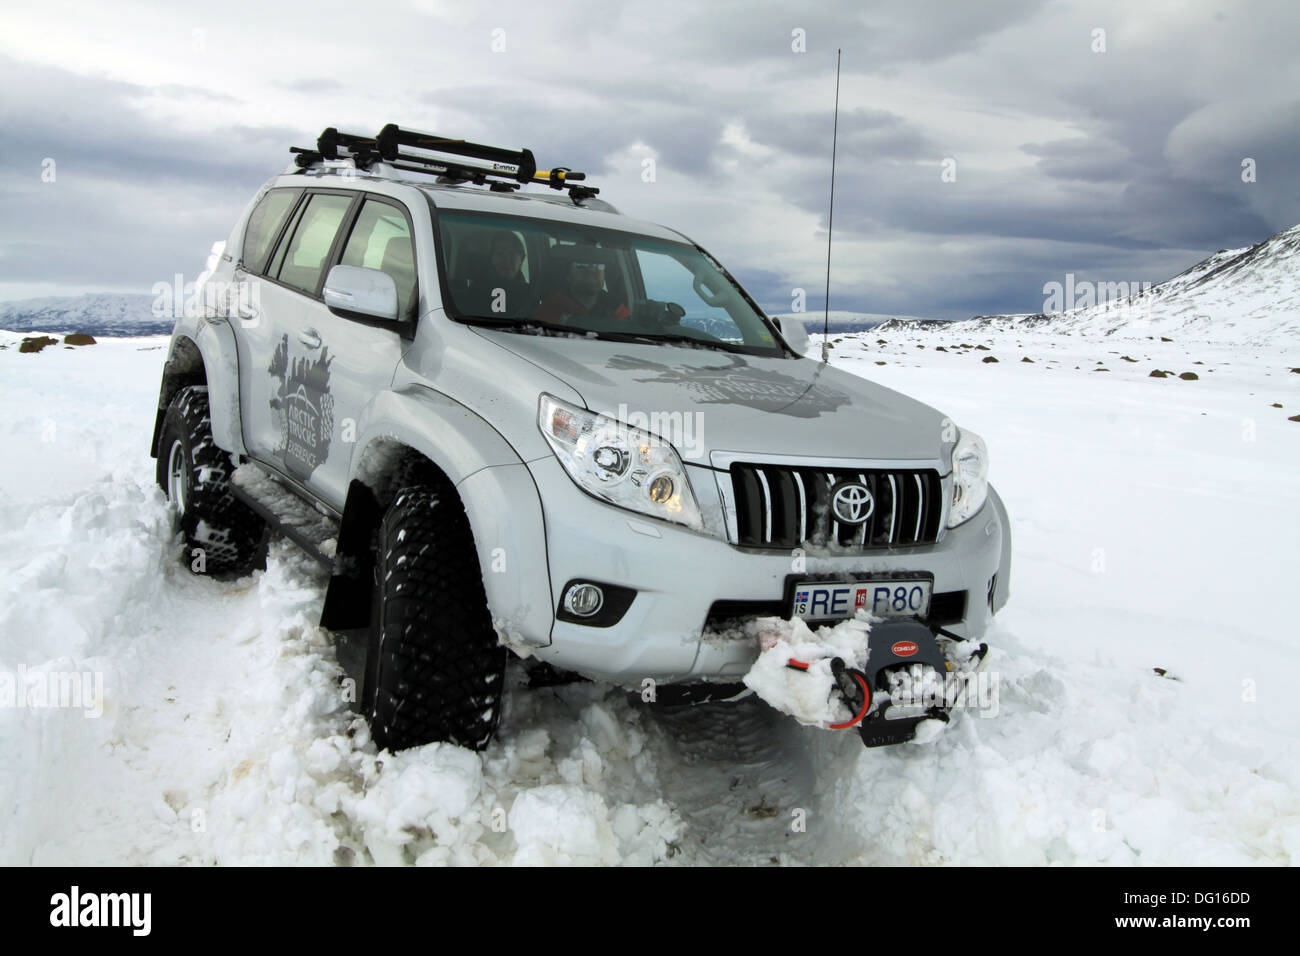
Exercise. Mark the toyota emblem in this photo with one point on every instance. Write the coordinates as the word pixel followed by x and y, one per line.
pixel 852 503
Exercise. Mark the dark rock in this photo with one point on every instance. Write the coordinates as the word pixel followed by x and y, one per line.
pixel 989 358
pixel 1027 359
pixel 1163 339
pixel 1189 377
pixel 1156 373
pixel 78 338
pixel 34 343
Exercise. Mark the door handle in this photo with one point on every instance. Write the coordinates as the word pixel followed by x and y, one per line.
pixel 309 338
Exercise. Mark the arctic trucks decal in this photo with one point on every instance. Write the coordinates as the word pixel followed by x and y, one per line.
pixel 737 382
pixel 305 408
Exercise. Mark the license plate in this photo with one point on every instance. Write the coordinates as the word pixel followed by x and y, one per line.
pixel 881 597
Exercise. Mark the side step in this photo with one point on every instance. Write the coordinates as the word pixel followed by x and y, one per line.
pixel 287 512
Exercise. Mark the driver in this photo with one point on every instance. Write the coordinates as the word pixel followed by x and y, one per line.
pixel 504 290
pixel 583 295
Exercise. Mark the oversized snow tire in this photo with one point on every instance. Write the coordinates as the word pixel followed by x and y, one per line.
pixel 435 670
pixel 195 474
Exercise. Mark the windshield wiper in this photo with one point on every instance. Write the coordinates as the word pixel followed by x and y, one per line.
pixel 520 323
pixel 675 338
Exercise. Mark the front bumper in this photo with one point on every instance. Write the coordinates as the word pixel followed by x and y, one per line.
pixel 681 576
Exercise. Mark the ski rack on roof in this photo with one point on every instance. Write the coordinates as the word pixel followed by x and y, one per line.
pixel 509 169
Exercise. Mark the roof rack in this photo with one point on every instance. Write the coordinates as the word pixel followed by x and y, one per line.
pixel 508 169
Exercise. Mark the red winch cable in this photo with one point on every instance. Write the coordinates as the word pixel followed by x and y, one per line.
pixel 866 703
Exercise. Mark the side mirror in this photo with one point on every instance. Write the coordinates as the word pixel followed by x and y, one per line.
pixel 354 292
pixel 794 333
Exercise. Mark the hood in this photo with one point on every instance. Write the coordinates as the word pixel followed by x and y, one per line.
pixel 705 400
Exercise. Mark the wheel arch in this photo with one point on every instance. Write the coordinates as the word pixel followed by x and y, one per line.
pixel 204 355
pixel 417 436
pixel 1002 588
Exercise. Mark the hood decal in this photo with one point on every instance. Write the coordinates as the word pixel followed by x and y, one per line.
pixel 735 382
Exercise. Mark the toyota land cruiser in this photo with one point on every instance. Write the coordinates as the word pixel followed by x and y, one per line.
pixel 509 419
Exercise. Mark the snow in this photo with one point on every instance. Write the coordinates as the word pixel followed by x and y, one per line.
pixel 809 696
pixel 1154 523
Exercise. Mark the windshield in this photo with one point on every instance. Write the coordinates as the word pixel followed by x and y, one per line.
pixel 543 275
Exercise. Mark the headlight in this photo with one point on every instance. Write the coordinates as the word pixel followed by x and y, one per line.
pixel 617 463
pixel 970 477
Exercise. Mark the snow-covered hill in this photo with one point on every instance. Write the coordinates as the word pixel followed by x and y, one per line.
pixel 1246 296
pixel 101 314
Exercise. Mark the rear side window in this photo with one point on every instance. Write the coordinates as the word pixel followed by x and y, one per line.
pixel 381 239
pixel 313 237
pixel 263 225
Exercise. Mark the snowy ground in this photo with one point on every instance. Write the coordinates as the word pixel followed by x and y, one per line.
pixel 1154 523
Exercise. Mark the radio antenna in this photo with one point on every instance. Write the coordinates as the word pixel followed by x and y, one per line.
pixel 830 221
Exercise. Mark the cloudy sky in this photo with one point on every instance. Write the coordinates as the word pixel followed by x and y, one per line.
pixel 1114 164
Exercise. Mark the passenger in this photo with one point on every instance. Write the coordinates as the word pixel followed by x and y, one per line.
pixel 503 290
pixel 583 295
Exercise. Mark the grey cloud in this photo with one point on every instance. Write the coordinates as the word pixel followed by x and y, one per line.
pixel 879 36
pixel 863 133
pixel 318 85
pixel 566 130
pixel 1095 160
pixel 90 127
pixel 1135 168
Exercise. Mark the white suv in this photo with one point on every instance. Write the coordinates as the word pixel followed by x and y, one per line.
pixel 512 418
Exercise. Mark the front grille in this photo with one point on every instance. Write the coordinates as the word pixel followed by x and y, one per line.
pixel 778 506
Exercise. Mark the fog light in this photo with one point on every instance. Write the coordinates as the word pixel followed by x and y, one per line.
pixel 584 600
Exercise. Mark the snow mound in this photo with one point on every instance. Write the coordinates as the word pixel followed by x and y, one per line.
pixel 808 695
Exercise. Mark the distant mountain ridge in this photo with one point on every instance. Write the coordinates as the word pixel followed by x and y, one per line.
pixel 106 314
pixel 843 321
